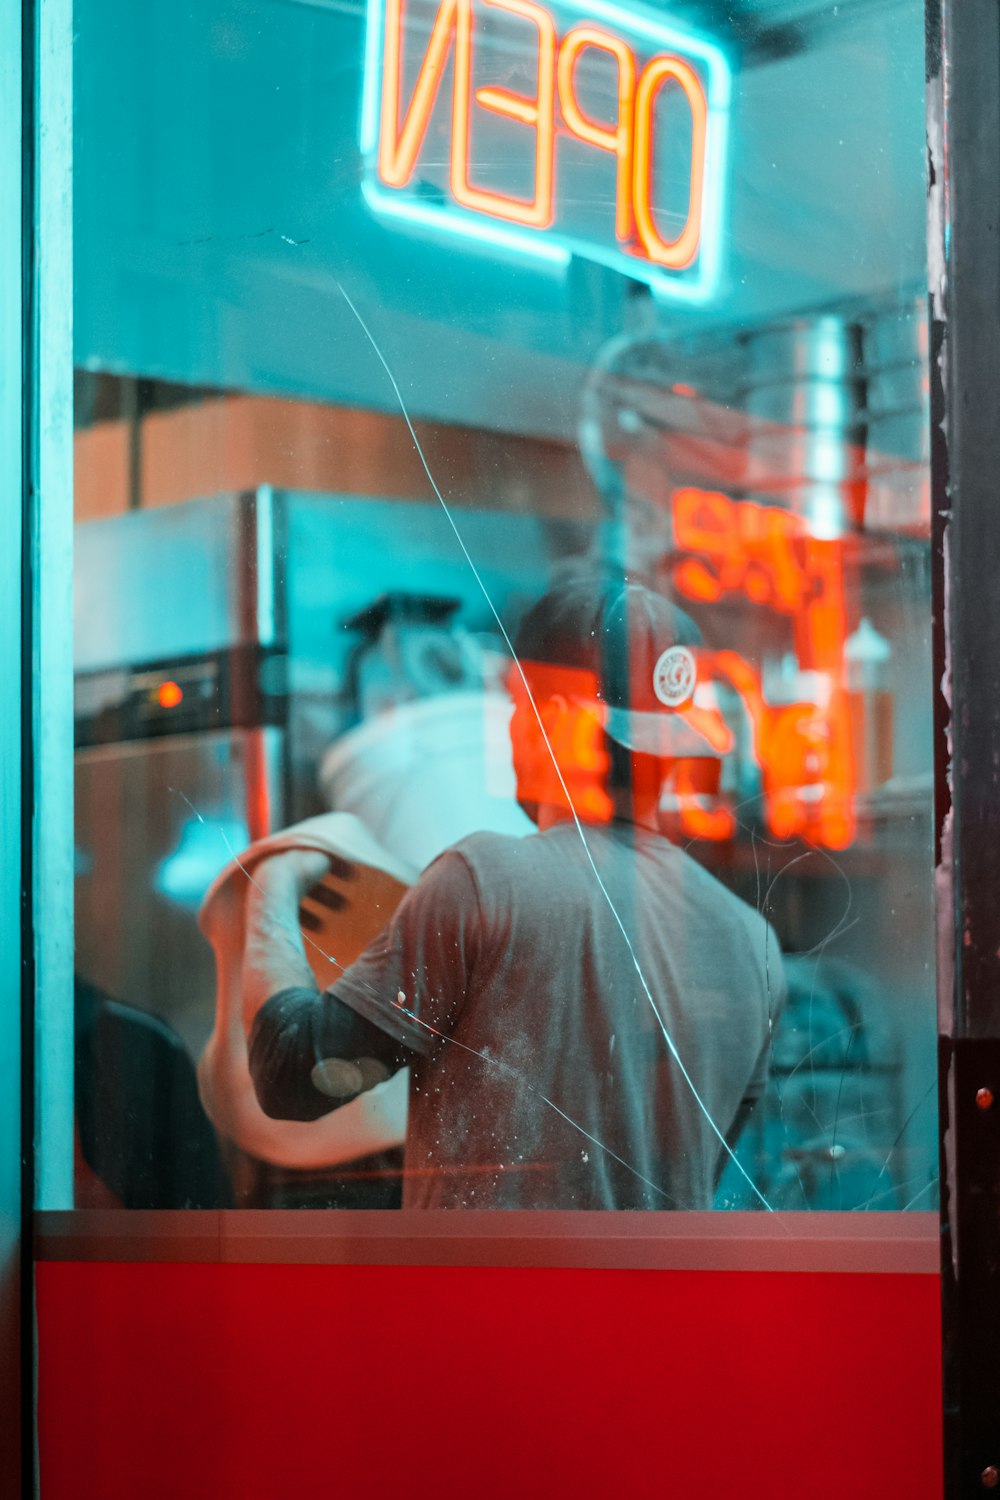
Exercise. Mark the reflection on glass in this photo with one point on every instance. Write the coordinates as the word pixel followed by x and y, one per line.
pixel 502 607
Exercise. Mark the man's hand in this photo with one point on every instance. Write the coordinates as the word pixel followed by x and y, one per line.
pixel 295 872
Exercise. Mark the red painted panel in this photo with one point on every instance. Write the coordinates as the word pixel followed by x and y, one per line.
pixel 247 1382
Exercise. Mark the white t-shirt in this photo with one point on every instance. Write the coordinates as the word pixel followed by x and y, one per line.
pixel 536 1015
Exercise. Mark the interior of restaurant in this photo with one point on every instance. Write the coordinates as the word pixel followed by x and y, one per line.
pixel 333 437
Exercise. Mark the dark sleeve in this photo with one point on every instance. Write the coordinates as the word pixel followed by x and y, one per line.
pixel 296 1042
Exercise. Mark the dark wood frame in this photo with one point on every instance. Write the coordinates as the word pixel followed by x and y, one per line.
pixel 963 114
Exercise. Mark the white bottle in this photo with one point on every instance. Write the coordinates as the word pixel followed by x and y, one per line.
pixel 866 669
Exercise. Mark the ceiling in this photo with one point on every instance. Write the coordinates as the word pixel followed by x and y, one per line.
pixel 762 31
pixel 757 31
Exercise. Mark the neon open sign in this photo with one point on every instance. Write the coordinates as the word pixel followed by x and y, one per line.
pixel 538 129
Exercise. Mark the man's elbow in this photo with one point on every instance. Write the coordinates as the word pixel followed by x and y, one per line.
pixel 274 1100
pixel 281 1099
pixel 272 1091
pixel 301 1070
pixel 279 1063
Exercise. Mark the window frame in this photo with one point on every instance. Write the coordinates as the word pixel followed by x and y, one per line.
pixel 50 769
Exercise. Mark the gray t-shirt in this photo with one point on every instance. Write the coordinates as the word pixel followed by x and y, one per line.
pixel 542 1077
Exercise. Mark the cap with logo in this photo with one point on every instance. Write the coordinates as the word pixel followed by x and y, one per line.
pixel 635 645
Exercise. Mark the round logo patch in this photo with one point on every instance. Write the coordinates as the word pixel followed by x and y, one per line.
pixel 674 676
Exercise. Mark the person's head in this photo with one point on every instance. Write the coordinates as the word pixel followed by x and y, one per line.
pixel 606 663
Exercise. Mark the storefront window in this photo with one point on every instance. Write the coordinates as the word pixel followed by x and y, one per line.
pixel 502 599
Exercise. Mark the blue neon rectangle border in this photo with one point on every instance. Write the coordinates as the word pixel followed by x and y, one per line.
pixel 548 248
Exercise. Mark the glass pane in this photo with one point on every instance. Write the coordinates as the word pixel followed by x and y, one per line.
pixel 502 437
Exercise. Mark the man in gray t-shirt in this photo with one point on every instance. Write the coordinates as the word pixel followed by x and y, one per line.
pixel 586 1012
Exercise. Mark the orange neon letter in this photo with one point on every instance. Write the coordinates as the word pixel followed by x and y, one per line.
pixel 704 522
pixel 698 817
pixel 679 252
pixel 617 140
pixel 398 151
pixel 538 113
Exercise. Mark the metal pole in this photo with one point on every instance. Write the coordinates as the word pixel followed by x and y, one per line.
pixel 12 327
pixel 49 543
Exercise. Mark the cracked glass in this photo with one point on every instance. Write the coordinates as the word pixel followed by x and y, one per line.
pixel 503 686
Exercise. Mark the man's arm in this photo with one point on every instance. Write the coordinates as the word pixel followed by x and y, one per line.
pixel 274 956
pixel 398 1001
pixel 308 1053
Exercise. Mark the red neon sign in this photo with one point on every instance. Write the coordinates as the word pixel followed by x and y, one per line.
pixel 663 82
pixel 566 765
pixel 804 749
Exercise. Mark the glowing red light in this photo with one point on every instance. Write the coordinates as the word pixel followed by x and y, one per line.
pixel 169 694
pixel 804 749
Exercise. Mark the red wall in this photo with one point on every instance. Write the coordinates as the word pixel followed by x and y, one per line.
pixel 205 1382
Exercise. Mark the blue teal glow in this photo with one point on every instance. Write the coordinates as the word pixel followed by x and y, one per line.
pixel 551 247
pixel 828 457
pixel 203 849
pixel 824 509
pixel 830 405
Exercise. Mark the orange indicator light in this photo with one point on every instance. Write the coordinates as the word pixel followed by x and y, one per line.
pixel 169 694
